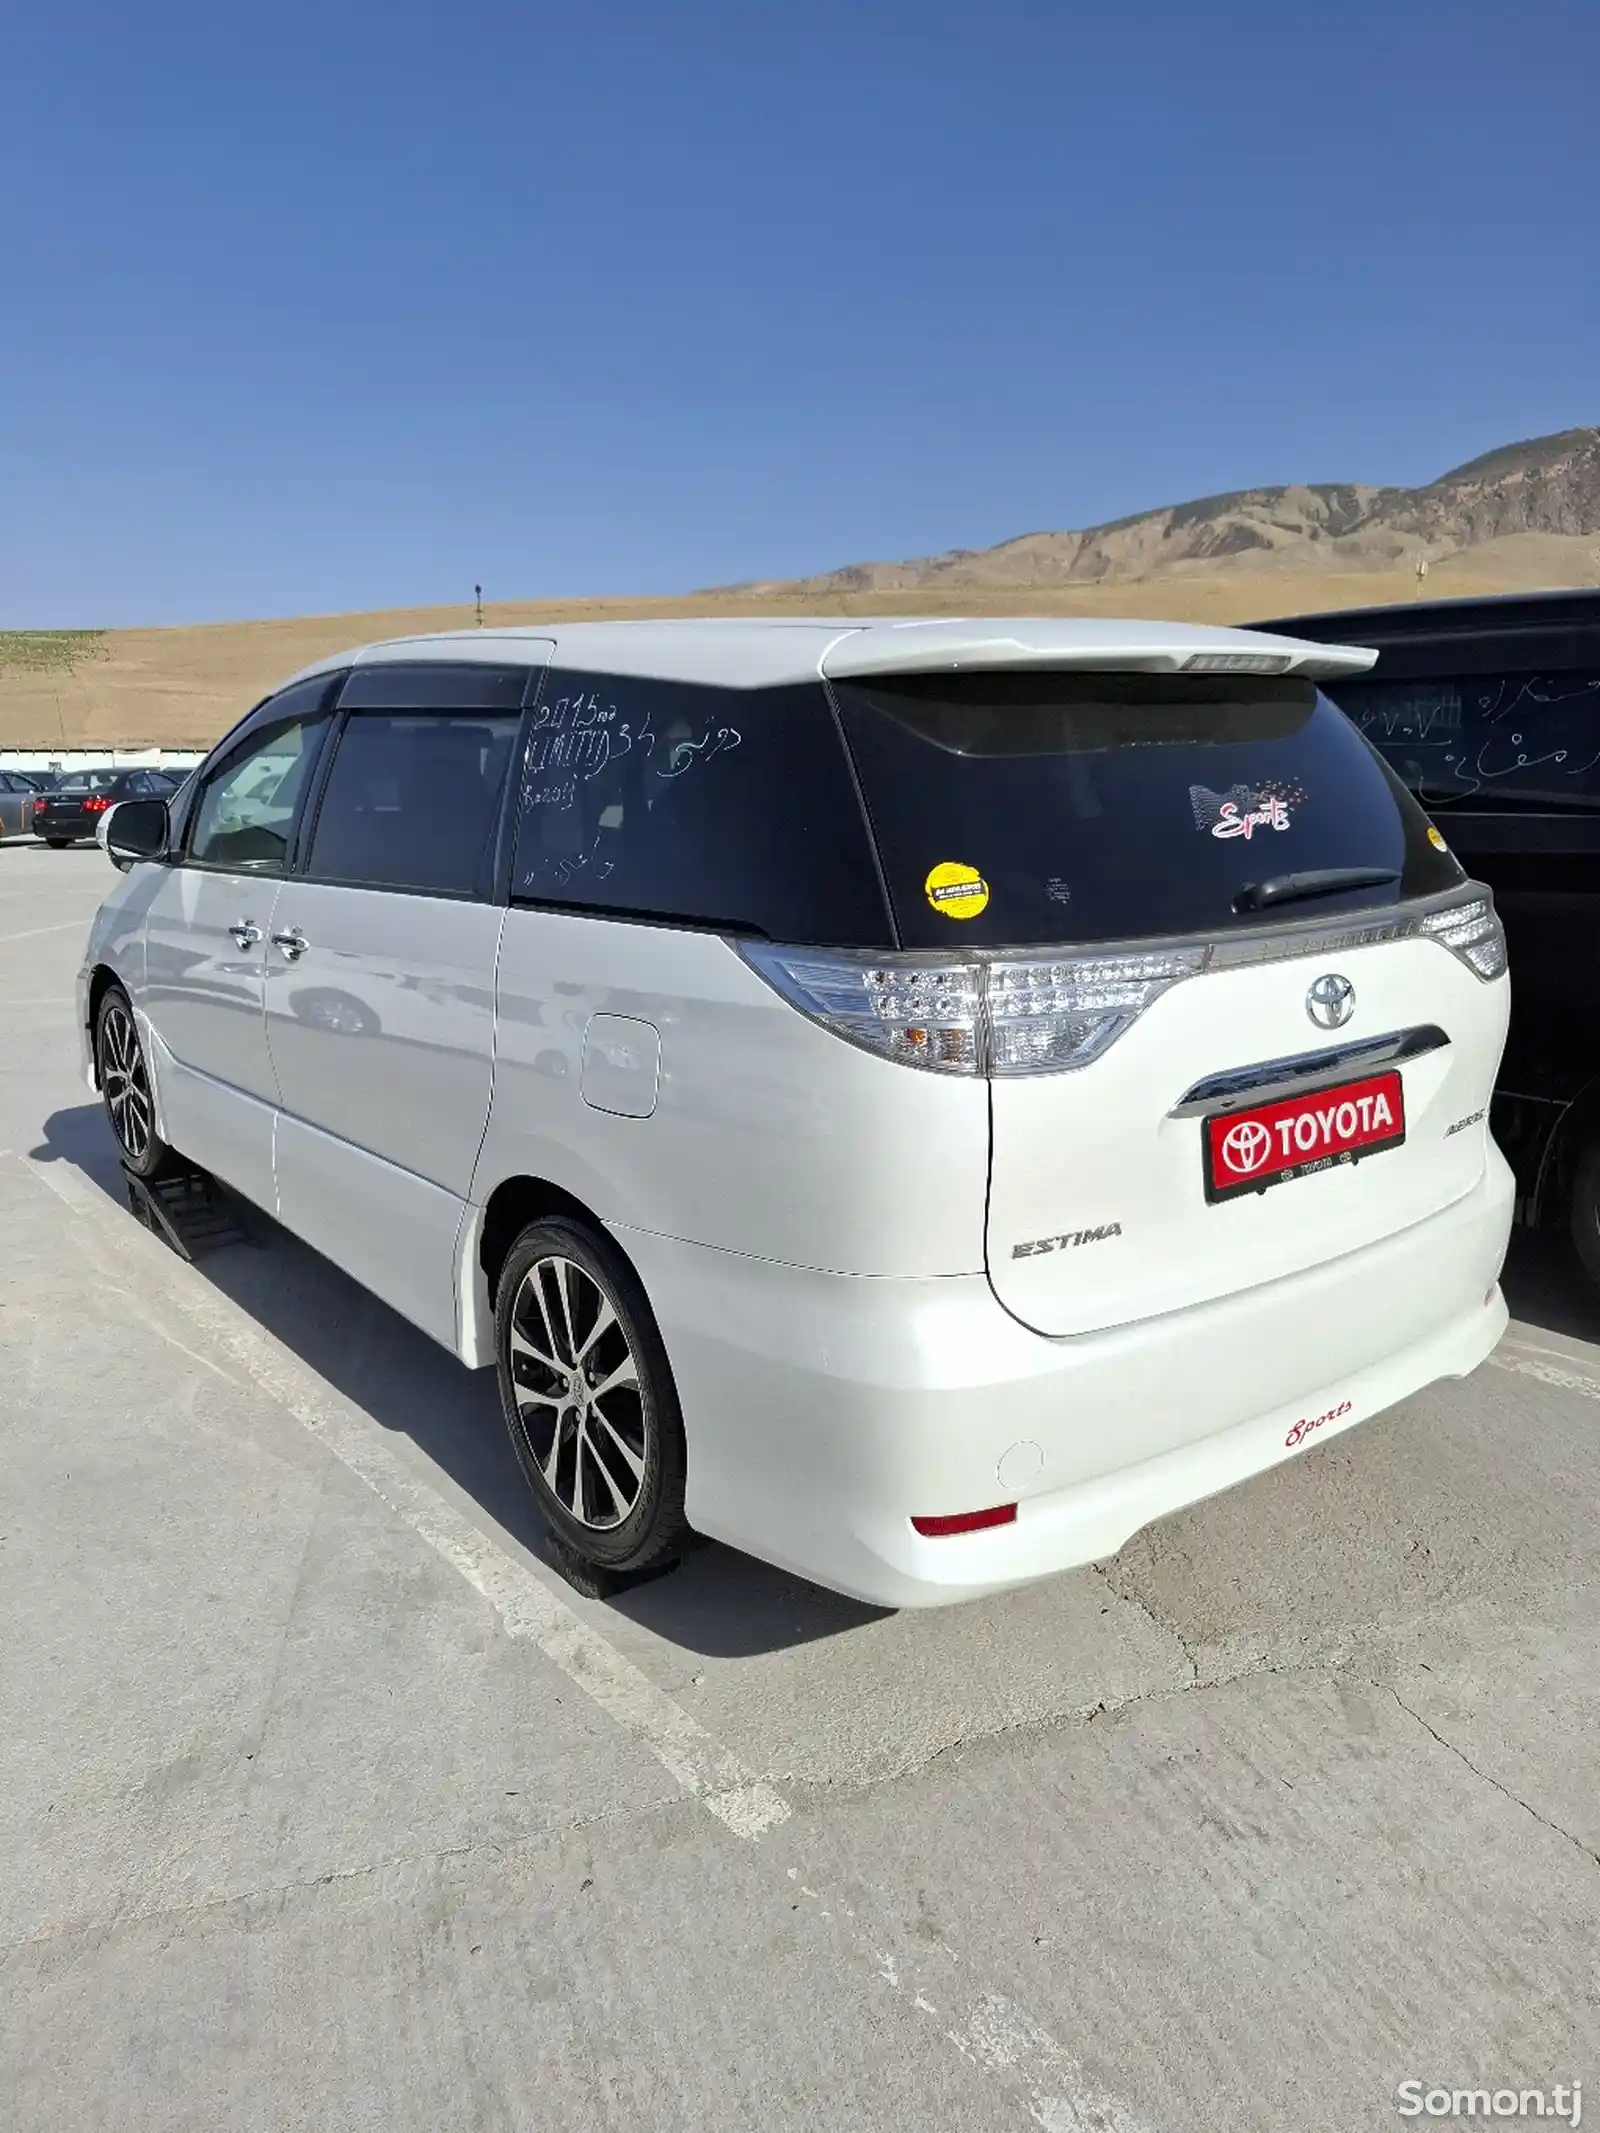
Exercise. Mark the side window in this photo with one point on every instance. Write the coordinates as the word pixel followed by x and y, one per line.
pixel 413 801
pixel 246 812
pixel 718 807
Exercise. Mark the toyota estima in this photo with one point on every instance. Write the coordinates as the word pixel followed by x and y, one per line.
pixel 914 1100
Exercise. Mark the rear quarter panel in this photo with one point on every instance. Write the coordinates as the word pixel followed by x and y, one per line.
pixel 769 1136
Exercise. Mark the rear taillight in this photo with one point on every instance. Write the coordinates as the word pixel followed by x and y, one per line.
pixel 1006 1014
pixel 1472 931
pixel 96 804
pixel 913 1008
pixel 1048 1014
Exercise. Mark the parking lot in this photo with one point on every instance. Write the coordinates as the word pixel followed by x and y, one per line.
pixel 328 1804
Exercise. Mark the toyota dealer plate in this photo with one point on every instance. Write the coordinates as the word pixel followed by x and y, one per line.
pixel 1246 1151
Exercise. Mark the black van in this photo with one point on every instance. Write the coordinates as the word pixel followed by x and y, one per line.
pixel 1490 711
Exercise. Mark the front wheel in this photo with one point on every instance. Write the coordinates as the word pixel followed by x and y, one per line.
pixel 588 1397
pixel 125 1085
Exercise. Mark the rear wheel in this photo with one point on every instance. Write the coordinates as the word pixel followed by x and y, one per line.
pixel 1584 1210
pixel 588 1397
pixel 58 844
pixel 125 1085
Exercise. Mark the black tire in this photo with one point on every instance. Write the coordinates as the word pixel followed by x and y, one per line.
pixel 550 1418
pixel 1583 1214
pixel 125 1086
pixel 59 844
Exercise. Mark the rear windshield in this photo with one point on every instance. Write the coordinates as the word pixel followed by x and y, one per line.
pixel 1018 809
pixel 88 781
pixel 1501 741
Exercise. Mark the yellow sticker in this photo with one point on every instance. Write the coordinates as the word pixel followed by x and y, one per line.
pixel 956 891
pixel 1436 840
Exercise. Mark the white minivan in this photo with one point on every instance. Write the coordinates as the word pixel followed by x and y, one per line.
pixel 915 1100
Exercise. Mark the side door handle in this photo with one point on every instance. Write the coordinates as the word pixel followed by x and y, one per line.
pixel 293 944
pixel 245 932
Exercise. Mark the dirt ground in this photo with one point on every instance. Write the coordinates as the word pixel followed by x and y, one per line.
pixel 181 687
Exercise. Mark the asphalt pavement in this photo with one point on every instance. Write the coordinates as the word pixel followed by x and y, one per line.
pixel 326 1804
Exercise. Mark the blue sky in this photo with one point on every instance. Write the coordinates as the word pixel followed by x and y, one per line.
pixel 322 307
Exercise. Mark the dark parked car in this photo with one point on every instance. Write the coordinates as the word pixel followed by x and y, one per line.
pixel 16 804
pixel 72 810
pixel 1490 711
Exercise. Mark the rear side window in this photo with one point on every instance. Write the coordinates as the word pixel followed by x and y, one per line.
pixel 1517 739
pixel 413 802
pixel 1029 808
pixel 731 808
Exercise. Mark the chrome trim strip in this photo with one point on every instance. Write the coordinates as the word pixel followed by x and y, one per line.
pixel 1299 1075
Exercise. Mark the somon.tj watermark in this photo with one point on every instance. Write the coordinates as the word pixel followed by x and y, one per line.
pixel 1418 2099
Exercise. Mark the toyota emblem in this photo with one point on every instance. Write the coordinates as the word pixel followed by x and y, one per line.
pixel 1245 1147
pixel 1331 1001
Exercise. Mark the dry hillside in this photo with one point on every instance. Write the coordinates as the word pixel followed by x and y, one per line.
pixel 1522 518
pixel 1545 488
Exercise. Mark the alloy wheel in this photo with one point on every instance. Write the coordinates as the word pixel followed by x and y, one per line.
pixel 125 1082
pixel 575 1383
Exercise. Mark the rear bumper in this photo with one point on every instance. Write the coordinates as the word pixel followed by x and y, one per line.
pixel 824 1411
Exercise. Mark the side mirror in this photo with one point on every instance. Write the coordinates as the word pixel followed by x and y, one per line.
pixel 135 830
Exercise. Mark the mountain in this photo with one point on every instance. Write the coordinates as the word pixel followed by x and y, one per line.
pixel 1547 485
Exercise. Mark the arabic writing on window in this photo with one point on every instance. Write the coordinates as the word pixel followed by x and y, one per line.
pixel 723 806
pixel 1529 737
pixel 583 738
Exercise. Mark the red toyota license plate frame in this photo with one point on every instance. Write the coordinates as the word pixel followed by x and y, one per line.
pixel 1346 1125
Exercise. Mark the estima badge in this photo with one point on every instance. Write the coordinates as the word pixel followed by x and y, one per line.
pixel 1331 1001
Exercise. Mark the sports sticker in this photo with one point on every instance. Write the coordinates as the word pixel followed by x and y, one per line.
pixel 955 890
pixel 1243 809
pixel 1436 840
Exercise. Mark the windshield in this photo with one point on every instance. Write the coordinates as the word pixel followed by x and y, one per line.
pixel 1014 809
pixel 88 781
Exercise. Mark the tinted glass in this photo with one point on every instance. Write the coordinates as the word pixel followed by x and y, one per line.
pixel 413 802
pixel 1494 740
pixel 88 781
pixel 430 685
pixel 247 807
pixel 1014 809
pixel 717 807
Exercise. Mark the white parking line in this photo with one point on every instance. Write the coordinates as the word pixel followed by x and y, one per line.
pixel 1530 1362
pixel 35 933
pixel 526 1606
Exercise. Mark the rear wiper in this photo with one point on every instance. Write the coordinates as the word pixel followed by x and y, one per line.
pixel 1322 881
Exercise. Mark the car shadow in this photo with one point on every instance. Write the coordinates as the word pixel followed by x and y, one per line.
pixel 718 1602
pixel 1545 1285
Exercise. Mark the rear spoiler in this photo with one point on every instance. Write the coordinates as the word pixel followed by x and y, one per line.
pixel 1084 645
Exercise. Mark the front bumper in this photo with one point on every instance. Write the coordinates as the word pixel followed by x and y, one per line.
pixel 824 1411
